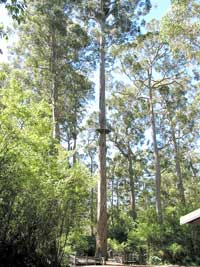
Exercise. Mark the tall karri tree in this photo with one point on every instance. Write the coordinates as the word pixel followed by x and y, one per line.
pixel 149 64
pixel 53 55
pixel 116 21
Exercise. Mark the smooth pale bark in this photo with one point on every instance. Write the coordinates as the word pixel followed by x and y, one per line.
pixel 178 167
pixel 75 135
pixel 112 201
pixel 177 162
pixel 157 159
pixel 92 201
pixel 54 95
pixel 132 184
pixel 117 195
pixel 92 212
pixel 74 145
pixel 101 237
pixel 128 156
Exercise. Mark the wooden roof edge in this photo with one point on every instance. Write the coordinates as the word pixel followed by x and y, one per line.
pixel 190 217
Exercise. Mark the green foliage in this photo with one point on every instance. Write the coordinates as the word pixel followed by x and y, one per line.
pixel 42 199
pixel 55 61
pixel 125 16
pixel 48 197
pixel 15 8
pixel 155 260
pixel 115 246
pixel 183 33
pixel 176 250
pixel 120 226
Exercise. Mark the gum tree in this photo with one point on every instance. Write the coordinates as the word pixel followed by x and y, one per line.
pixel 149 65
pixel 117 21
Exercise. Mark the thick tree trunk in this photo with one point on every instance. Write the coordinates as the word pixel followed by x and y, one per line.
pixel 178 167
pixel 157 160
pixel 132 184
pixel 54 94
pixel 101 238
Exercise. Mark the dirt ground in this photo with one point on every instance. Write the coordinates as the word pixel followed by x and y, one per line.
pixel 122 265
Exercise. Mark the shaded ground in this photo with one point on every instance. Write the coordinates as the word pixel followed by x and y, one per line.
pixel 113 264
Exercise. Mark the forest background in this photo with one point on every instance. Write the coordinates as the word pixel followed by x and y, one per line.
pixel 51 130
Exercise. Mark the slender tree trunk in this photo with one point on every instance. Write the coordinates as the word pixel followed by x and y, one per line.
pixel 177 161
pixel 75 134
pixel 157 160
pixel 178 167
pixel 112 200
pixel 92 212
pixel 92 201
pixel 193 170
pixel 101 238
pixel 54 95
pixel 132 184
pixel 74 147
pixel 117 195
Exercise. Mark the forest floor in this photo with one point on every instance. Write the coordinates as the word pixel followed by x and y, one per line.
pixel 130 265
pixel 114 264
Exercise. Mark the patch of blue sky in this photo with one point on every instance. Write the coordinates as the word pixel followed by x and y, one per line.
pixel 9 28
pixel 6 21
pixel 158 10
